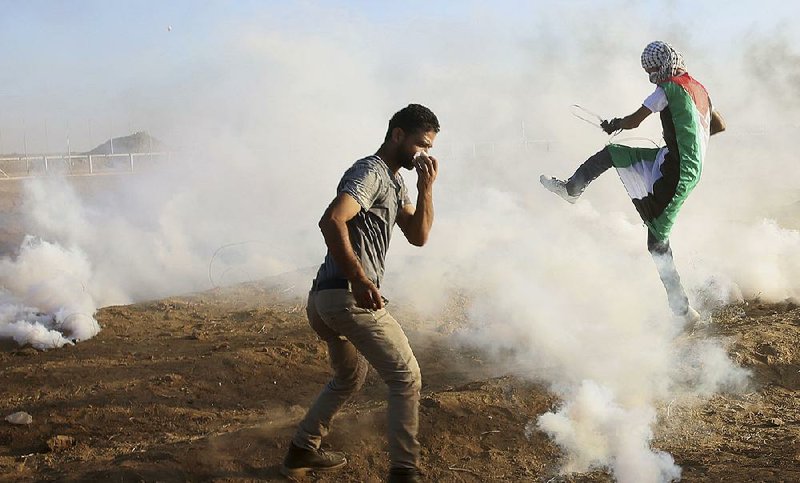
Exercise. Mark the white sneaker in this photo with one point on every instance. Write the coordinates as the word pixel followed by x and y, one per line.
pixel 558 187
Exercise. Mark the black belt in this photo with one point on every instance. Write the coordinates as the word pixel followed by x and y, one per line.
pixel 330 284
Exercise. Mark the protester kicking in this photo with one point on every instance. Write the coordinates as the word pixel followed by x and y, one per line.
pixel 658 180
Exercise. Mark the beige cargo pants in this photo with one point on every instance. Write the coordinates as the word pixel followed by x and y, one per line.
pixel 356 336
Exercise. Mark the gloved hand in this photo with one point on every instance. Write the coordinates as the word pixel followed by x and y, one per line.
pixel 612 126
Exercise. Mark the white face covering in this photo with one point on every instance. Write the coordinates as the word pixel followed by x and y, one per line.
pixel 665 58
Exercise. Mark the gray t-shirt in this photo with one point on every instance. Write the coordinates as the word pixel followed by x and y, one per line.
pixel 381 195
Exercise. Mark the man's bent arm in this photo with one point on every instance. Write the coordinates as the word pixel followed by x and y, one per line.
pixel 333 225
pixel 632 121
pixel 416 221
pixel 334 228
pixel 717 123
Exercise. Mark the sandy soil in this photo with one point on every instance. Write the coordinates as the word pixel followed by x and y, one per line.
pixel 209 386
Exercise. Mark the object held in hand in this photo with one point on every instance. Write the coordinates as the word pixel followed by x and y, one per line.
pixel 417 156
pixel 612 126
pixel 586 115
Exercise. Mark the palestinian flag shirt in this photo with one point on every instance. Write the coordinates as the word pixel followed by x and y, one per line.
pixel 659 180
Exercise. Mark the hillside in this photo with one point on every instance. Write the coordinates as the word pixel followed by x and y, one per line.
pixel 138 142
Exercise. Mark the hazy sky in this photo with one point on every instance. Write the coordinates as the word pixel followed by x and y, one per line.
pixel 96 68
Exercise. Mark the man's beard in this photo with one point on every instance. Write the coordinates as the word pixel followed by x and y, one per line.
pixel 408 163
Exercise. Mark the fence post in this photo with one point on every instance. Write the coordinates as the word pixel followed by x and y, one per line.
pixel 130 156
pixel 91 168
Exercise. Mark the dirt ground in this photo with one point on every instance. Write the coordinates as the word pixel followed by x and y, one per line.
pixel 209 387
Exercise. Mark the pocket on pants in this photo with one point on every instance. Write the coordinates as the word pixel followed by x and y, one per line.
pixel 356 310
pixel 348 314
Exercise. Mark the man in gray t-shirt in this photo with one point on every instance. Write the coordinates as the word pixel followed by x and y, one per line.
pixel 381 195
pixel 345 306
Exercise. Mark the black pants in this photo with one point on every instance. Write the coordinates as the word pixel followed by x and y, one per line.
pixel 661 252
pixel 589 171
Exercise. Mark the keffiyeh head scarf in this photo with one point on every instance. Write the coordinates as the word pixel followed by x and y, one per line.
pixel 663 56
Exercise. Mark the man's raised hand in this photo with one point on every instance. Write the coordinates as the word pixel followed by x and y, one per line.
pixel 612 126
pixel 427 169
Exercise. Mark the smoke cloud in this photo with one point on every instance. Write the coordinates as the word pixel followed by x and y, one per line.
pixel 265 119
pixel 44 301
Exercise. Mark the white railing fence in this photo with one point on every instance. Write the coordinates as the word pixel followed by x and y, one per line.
pixel 16 167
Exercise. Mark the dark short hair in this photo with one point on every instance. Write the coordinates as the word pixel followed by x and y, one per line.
pixel 412 118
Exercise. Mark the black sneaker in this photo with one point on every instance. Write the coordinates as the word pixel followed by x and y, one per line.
pixel 404 475
pixel 299 461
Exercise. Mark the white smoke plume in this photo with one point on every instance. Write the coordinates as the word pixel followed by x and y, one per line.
pixel 267 117
pixel 595 430
pixel 44 301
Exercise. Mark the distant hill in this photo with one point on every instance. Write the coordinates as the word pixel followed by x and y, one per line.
pixel 139 142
